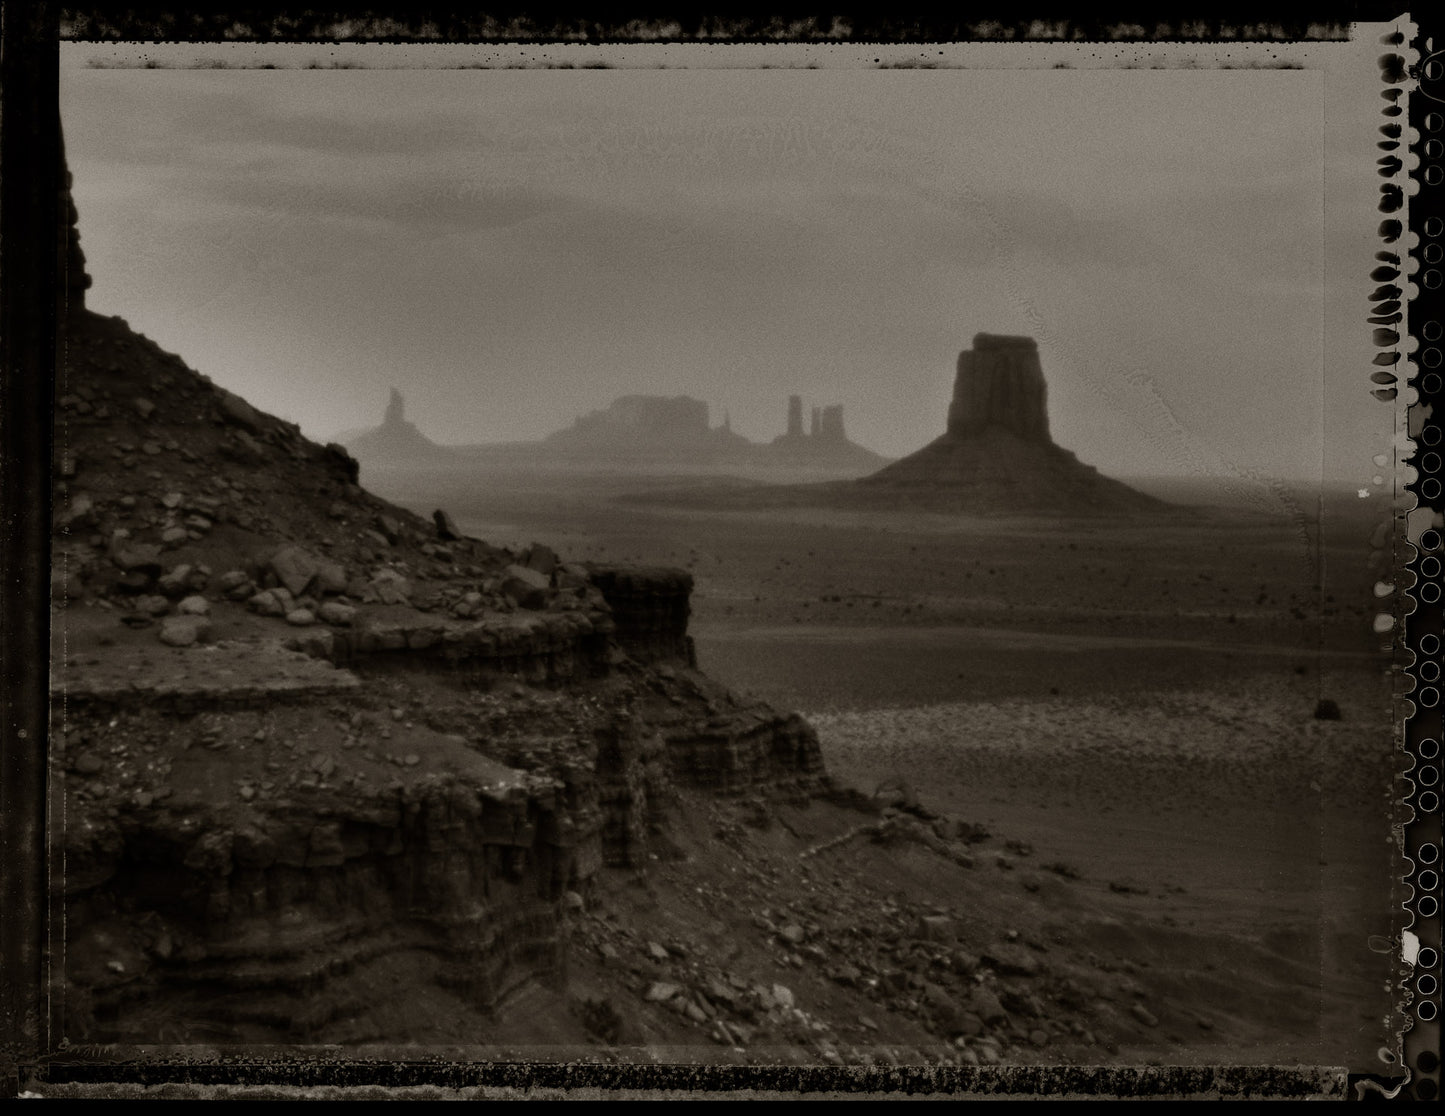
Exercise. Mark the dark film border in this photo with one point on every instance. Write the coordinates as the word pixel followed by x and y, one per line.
pixel 1419 610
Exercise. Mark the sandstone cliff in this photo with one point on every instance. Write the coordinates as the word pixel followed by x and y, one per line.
pixel 305 740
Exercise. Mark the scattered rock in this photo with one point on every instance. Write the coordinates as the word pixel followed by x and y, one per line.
pixel 152 604
pixel 390 587
pixel 985 1004
pixel 194 606
pixel 541 558
pixel 296 568
pixel 1144 1015
pixel 300 617
pixel 1012 960
pixel 526 586
pixel 936 928
pixel 390 529
pixel 446 529
pixel 143 558
pixel 266 603
pixel 659 992
pixel 337 614
pixel 182 631
pixel 236 409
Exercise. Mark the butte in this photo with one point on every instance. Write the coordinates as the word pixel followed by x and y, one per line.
pixel 997 455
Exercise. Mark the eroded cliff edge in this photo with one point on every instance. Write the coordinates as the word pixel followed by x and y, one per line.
pixel 302 737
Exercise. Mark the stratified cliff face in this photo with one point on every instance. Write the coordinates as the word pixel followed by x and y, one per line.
pixel 1000 383
pixel 306 741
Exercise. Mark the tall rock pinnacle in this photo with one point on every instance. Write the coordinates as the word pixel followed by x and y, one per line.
pixel 395 411
pixel 1000 383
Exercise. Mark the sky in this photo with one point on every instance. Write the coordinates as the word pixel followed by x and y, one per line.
pixel 514 247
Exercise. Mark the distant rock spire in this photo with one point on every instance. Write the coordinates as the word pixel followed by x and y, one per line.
pixel 395 411
pixel 795 416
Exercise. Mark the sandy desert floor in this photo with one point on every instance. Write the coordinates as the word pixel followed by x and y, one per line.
pixel 1136 702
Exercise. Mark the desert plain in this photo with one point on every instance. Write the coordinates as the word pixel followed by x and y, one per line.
pixel 1140 713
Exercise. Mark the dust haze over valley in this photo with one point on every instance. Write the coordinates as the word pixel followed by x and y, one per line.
pixel 1081 606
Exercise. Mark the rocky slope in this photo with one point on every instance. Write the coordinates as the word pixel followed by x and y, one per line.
pixel 301 735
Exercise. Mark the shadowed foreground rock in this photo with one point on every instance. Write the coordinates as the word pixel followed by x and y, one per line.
pixel 306 741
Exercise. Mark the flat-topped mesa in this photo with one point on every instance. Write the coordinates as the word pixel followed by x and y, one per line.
pixel 1000 383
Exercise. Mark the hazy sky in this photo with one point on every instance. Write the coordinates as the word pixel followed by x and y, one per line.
pixel 512 248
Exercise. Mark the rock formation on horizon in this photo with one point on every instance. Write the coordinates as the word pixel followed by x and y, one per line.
pixel 824 443
pixel 1000 383
pixel 396 441
pixel 647 428
pixel 997 455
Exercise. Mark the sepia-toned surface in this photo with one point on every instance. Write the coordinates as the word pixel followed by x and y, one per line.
pixel 621 757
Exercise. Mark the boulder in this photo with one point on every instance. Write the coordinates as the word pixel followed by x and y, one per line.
pixel 390 529
pixel 194 606
pixel 182 631
pixel 569 575
pixel 986 1005
pixel 296 568
pixel 175 582
pixel 144 558
pixel 936 928
pixel 947 1014
pixel 267 603
pixel 337 614
pixel 237 410
pixel 541 558
pixel 446 529
pixel 153 604
pixel 526 586
pixel 390 587
pixel 232 579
